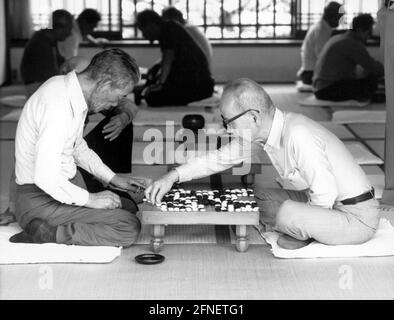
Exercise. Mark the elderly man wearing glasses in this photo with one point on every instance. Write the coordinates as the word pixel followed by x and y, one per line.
pixel 330 198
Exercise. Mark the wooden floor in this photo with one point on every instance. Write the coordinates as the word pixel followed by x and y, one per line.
pixel 205 271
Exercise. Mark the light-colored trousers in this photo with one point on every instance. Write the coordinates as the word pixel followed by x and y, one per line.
pixel 287 212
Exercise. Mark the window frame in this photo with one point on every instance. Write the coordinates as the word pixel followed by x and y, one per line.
pixel 221 25
pixel 295 10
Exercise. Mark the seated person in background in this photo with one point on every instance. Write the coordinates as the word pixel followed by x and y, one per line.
pixel 112 138
pixel 173 14
pixel 332 200
pixel 316 38
pixel 335 76
pixel 52 203
pixel 184 74
pixel 41 59
pixel 83 26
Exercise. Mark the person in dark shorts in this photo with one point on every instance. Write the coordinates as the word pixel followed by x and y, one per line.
pixel 172 13
pixel 184 75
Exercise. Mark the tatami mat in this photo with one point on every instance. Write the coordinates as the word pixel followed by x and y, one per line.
pixel 159 116
pixel 369 130
pixel 12 90
pixel 7 130
pixel 197 234
pixel 181 234
pixel 205 272
pixel 286 97
pixel 11 115
pixel 159 132
pixel 362 155
pixel 372 170
pixel 339 130
pixel 14 101
pixel 377 146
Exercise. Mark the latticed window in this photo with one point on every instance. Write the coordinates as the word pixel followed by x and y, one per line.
pixel 219 19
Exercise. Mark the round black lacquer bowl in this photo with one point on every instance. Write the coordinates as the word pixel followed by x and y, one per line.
pixel 193 122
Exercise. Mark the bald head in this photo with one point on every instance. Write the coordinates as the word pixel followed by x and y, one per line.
pixel 246 94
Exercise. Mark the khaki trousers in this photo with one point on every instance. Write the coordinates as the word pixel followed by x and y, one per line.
pixel 287 212
pixel 78 225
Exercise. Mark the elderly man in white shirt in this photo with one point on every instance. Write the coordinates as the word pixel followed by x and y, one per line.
pixel 52 203
pixel 331 199
pixel 315 39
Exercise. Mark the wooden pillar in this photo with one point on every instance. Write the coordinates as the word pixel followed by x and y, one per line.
pixel 387 37
pixel 3 43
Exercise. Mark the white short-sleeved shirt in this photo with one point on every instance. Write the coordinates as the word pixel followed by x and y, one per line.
pixel 315 39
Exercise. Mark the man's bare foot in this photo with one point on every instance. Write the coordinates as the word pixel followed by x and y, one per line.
pixel 21 237
pixel 290 243
pixel 6 218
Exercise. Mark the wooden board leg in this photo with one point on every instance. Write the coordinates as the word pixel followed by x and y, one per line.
pixel 248 180
pixel 157 242
pixel 242 242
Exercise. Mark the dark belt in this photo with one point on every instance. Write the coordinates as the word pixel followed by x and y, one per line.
pixel 362 197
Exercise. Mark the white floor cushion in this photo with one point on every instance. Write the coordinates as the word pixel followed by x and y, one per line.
pixel 23 253
pixel 382 244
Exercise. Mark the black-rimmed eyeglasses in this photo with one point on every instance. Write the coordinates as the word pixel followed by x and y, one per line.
pixel 226 122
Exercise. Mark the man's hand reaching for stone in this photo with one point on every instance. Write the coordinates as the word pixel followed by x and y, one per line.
pixel 155 192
